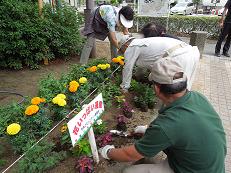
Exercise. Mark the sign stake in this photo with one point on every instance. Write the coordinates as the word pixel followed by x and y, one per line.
pixel 92 142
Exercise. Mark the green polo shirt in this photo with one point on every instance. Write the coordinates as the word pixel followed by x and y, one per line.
pixel 190 132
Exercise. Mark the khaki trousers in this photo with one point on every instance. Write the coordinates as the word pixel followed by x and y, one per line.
pixel 161 167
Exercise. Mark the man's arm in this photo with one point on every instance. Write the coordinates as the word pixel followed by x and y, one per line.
pixel 130 56
pixel 125 154
pixel 112 38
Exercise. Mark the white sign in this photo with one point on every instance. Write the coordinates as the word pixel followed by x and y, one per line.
pixel 80 124
pixel 155 8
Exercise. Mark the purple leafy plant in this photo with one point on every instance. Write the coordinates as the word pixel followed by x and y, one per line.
pixel 85 165
pixel 104 139
pixel 121 123
pixel 127 109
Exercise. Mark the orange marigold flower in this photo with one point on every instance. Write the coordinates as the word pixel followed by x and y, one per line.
pixel 121 62
pixel 35 100
pixel 74 83
pixel 32 109
pixel 42 100
pixel 92 69
pixel 116 60
pixel 73 88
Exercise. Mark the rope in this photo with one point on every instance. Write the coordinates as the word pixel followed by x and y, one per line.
pixel 66 117
pixel 10 92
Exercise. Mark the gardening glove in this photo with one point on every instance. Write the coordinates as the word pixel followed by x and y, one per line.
pixel 140 129
pixel 104 151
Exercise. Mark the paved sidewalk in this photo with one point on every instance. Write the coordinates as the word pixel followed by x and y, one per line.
pixel 213 79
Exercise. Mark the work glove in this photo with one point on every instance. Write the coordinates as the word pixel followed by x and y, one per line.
pixel 140 129
pixel 104 151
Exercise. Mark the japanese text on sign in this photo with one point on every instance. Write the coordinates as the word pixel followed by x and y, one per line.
pixel 80 124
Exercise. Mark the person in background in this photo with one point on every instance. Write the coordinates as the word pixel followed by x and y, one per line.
pixel 146 51
pixel 187 129
pixel 225 24
pixel 102 23
pixel 154 30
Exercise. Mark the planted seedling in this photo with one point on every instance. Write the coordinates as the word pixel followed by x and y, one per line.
pixel 127 110
pixel 121 123
pixel 104 139
pixel 84 165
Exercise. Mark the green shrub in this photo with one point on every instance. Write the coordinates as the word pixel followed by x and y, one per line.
pixel 40 158
pixel 183 25
pixel 27 39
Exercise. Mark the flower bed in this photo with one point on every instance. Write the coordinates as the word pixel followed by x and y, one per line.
pixel 22 125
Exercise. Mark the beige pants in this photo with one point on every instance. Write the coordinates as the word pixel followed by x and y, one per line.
pixel 162 167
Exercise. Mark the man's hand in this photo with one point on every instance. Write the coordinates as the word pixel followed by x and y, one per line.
pixel 140 129
pixel 104 151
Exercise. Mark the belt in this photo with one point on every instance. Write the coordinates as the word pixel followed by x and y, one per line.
pixel 172 49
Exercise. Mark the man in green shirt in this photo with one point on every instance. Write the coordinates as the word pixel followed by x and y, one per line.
pixel 188 129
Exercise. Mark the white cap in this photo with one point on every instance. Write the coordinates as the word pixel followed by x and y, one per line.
pixel 126 23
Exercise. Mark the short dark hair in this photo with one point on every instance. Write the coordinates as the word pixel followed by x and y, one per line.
pixel 127 12
pixel 173 88
pixel 152 30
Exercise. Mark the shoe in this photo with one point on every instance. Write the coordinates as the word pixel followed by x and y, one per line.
pixel 226 54
pixel 217 54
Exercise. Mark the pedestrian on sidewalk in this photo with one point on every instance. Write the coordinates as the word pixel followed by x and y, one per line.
pixel 225 25
pixel 102 23
pixel 188 129
pixel 146 51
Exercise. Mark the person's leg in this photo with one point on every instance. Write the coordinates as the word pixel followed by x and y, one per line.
pixel 87 50
pixel 220 40
pixel 162 167
pixel 228 39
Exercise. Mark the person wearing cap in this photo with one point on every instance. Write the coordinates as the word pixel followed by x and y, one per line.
pixel 102 23
pixel 145 52
pixel 188 129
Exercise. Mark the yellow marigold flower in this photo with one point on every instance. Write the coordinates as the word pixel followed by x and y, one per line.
pixel 92 69
pixel 32 109
pixel 13 129
pixel 63 128
pixel 62 96
pixel 121 62
pixel 35 100
pixel 73 88
pixel 42 100
pixel 55 100
pixel 103 66
pixel 74 83
pixel 82 80
pixel 61 102
pixel 116 60
pixel 108 65
pixel 120 57
pixel 99 65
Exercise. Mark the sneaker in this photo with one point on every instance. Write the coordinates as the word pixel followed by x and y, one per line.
pixel 217 54
pixel 226 54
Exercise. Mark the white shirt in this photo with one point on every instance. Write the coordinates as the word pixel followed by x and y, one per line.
pixel 144 52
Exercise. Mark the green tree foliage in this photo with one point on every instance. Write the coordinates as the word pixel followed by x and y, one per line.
pixel 26 39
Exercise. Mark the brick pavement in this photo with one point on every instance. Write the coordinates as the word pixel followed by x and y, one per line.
pixel 213 79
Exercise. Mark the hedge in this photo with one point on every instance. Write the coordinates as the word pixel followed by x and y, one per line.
pixel 27 39
pixel 182 25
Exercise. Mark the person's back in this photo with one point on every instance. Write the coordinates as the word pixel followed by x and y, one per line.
pixel 196 134
pixel 146 51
